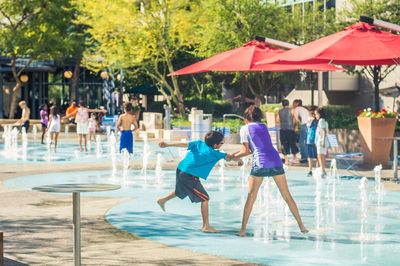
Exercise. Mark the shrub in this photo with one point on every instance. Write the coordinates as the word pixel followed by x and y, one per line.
pixel 233 124
pixel 222 108
pixel 341 117
pixel 206 105
pixel 271 107
pixel 157 107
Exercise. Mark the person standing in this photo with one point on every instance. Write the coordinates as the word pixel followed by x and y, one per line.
pixel 321 138
pixel 125 123
pixel 44 119
pixel 256 140
pixel 301 116
pixel 82 123
pixel 54 125
pixel 311 148
pixel 26 113
pixel 287 135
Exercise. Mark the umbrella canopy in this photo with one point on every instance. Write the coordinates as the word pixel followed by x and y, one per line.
pixel 245 58
pixel 358 44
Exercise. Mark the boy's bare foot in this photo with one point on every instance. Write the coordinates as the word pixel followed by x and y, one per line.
pixel 162 204
pixel 242 233
pixel 209 229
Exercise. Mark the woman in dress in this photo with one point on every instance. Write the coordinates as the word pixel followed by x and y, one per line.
pixel 256 140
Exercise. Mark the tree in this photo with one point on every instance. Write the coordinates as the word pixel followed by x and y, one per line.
pixel 380 9
pixel 33 30
pixel 146 35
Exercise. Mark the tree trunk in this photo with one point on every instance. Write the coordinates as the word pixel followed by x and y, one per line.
pixel 17 87
pixel 14 99
pixel 75 80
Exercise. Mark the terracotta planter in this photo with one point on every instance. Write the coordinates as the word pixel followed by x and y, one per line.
pixel 375 150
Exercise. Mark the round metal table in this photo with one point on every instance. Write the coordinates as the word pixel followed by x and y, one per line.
pixel 76 189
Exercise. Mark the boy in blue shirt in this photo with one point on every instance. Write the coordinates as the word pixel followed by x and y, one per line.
pixel 198 163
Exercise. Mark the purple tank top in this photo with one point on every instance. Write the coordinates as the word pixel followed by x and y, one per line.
pixel 264 153
pixel 43 117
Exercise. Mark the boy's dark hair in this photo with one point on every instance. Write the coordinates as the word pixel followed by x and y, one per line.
pixel 213 137
pixel 128 107
pixel 285 102
pixel 321 112
pixel 253 114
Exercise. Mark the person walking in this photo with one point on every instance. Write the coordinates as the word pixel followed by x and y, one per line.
pixel 287 134
pixel 301 116
pixel 54 125
pixel 26 113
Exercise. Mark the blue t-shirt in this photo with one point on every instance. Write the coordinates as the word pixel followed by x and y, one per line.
pixel 200 159
pixel 311 130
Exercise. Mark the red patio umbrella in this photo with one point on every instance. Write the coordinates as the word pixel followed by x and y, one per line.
pixel 358 44
pixel 245 58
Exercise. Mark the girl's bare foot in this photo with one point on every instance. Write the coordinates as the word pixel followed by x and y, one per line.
pixel 242 233
pixel 209 229
pixel 162 204
pixel 303 230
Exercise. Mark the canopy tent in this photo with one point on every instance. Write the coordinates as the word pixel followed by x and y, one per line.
pixel 358 44
pixel 245 59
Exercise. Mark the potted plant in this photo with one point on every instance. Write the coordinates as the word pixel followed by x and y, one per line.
pixel 376 131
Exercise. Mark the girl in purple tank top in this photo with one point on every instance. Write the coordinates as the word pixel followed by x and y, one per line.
pixel 44 119
pixel 266 162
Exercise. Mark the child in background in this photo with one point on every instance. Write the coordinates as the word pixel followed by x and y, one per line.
pixel 125 123
pixel 198 163
pixel 54 125
pixel 321 138
pixel 311 148
pixel 44 119
pixel 92 126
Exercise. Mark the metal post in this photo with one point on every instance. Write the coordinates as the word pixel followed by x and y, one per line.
pixel 395 162
pixel 320 88
pixel 76 206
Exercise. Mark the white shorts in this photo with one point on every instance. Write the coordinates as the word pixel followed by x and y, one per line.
pixel 322 150
pixel 82 128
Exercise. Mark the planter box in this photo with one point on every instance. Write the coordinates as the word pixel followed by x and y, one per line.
pixel 376 151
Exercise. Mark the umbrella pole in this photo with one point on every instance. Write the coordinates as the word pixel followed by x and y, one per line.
pixel 320 88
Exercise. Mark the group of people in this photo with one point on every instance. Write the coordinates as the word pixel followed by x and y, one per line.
pixel 51 122
pixel 203 155
pixel 308 128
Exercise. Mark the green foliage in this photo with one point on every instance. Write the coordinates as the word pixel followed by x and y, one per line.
pixel 233 124
pixel 207 106
pixel 341 117
pixel 180 121
pixel 222 108
pixel 271 107
pixel 157 107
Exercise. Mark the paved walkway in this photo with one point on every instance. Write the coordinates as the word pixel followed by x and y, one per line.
pixel 38 229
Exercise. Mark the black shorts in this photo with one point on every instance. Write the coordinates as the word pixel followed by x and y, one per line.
pixel 188 185
pixel 44 126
